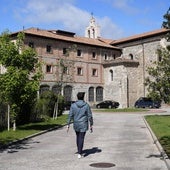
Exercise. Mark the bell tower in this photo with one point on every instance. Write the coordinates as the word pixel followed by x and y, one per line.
pixel 93 30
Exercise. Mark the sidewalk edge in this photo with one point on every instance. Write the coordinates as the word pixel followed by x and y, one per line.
pixel 160 148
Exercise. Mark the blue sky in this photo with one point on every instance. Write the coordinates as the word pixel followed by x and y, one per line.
pixel 116 18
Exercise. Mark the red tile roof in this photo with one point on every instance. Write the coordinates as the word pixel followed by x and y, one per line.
pixel 140 36
pixel 73 39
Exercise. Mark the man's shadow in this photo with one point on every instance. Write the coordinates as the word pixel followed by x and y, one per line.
pixel 93 150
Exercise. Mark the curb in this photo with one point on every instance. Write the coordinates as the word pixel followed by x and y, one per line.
pixel 156 141
pixel 3 147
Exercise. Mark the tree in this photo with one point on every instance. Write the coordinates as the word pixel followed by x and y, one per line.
pixel 64 65
pixel 20 83
pixel 166 24
pixel 158 81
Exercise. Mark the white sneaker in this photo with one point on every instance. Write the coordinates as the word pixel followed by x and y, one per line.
pixel 79 156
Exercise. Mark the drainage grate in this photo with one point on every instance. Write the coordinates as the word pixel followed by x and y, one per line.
pixel 102 165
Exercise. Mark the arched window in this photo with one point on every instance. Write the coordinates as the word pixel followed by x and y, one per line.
pixel 111 75
pixel 93 33
pixel 56 89
pixel 131 56
pixel 91 94
pixel 99 94
pixel 43 88
pixel 88 33
pixel 114 56
pixel 67 93
pixel 105 56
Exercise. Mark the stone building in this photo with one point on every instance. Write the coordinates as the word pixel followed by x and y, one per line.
pixel 138 53
pixel 104 69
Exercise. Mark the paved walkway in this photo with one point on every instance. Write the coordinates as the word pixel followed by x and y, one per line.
pixel 121 139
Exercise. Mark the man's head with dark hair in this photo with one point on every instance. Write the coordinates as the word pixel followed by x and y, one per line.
pixel 80 95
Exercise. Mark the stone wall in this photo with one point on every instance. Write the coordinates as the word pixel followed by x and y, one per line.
pixel 146 55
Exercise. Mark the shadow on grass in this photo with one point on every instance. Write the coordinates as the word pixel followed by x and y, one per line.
pixel 39 127
pixel 165 142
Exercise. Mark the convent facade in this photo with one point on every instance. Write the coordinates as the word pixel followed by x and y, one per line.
pixel 104 69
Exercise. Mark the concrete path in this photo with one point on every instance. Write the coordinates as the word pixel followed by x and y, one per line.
pixel 119 139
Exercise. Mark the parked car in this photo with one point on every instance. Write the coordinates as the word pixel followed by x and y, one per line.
pixel 108 104
pixel 144 102
pixel 67 105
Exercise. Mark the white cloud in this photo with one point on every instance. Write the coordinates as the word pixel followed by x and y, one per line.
pixel 109 29
pixel 64 15
pixel 124 5
pixel 54 12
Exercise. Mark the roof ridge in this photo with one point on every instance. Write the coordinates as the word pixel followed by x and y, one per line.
pixel 145 34
pixel 73 39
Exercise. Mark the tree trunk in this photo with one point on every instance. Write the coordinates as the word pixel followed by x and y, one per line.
pixel 14 125
pixel 8 117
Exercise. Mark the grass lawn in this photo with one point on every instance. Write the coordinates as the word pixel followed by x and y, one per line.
pixel 160 125
pixel 30 129
pixel 121 110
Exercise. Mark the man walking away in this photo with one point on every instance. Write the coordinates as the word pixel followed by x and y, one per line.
pixel 81 115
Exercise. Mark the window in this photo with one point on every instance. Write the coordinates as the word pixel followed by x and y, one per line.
pixel 79 71
pixel 48 69
pixel 99 94
pixel 94 72
pixel 31 44
pixel 93 33
pixel 44 88
pixel 159 58
pixel 105 57
pixel 91 94
pixel 67 93
pixel 111 75
pixel 79 53
pixel 64 51
pixel 93 55
pixel 56 89
pixel 65 70
pixel 131 56
pixel 114 56
pixel 48 49
pixel 88 33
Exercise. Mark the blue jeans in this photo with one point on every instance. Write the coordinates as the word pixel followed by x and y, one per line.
pixel 80 141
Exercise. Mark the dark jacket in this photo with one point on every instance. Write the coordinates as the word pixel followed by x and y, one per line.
pixel 81 115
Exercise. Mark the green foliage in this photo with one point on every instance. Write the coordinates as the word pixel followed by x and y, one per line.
pixel 158 82
pixel 45 105
pixel 3 113
pixel 20 83
pixel 166 23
